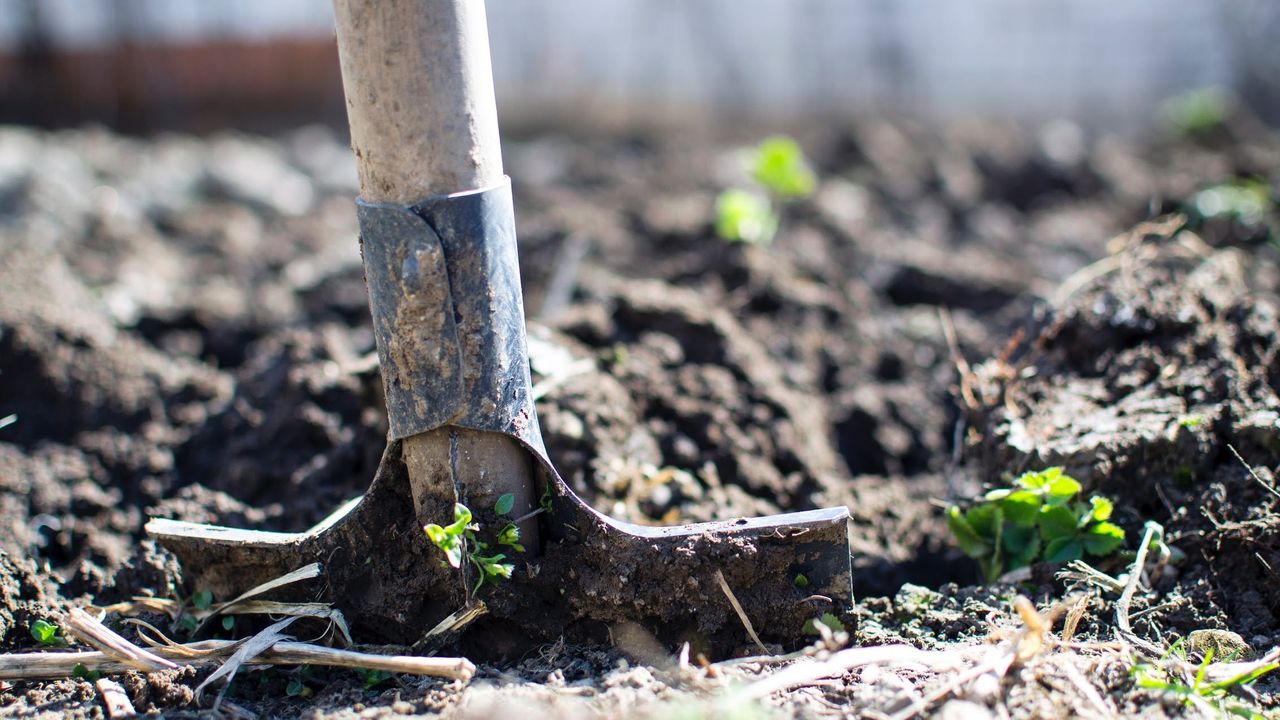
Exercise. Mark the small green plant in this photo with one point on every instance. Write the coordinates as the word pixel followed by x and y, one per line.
pixel 1213 698
pixel 1198 112
pixel 373 678
pixel 460 539
pixel 202 600
pixel 777 165
pixel 1038 519
pixel 800 581
pixel 84 673
pixel 297 688
pixel 1190 421
pixel 831 622
pixel 745 216
pixel 46 634
pixel 1245 200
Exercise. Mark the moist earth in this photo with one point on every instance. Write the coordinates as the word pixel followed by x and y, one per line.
pixel 184 332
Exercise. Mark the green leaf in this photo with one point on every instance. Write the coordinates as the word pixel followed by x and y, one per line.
pixel 1063 549
pixel 461 518
pixel 985 519
pixel 374 678
pixel 1021 545
pixel 1103 538
pixel 1100 508
pixel 45 633
pixel 448 543
pixel 202 599
pixel 509 535
pixel 779 165
pixel 742 216
pixel 228 622
pixel 297 688
pixel 967 538
pixel 800 581
pixel 437 535
pixel 1021 508
pixel 1057 522
pixel 1037 480
pixel 504 504
pixel 84 673
pixel 1061 489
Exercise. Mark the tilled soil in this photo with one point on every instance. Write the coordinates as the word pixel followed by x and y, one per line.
pixel 184 332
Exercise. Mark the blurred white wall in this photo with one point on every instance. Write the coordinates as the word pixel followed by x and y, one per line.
pixel 1101 62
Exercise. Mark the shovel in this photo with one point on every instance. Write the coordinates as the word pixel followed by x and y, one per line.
pixel 439 250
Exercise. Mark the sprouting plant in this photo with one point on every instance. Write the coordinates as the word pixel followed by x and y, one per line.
pixel 745 216
pixel 546 501
pixel 1213 698
pixel 1246 200
pixel 778 167
pixel 46 634
pixel 1036 519
pixel 1197 112
pixel 84 673
pixel 373 678
pixel 460 539
pixel 202 600
pixel 827 619
pixel 1190 421
pixel 297 688
pixel 778 164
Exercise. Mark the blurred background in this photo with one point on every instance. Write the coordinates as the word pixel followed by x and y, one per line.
pixel 144 65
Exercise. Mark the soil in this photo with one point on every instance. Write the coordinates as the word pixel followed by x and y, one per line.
pixel 184 332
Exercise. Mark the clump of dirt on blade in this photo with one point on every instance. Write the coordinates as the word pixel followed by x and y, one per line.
pixel 1145 384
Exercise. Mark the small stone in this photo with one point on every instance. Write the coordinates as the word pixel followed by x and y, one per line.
pixel 1225 644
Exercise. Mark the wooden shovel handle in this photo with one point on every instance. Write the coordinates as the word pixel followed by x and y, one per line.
pixel 419 89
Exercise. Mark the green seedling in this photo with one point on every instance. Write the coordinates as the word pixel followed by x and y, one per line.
pixel 1036 520
pixel 46 634
pixel 778 167
pixel 297 688
pixel 460 540
pixel 1212 698
pixel 84 673
pixel 1190 422
pixel 800 581
pixel 1198 112
pixel 373 678
pixel 778 164
pixel 744 216
pixel 1244 200
pixel 831 622
pixel 202 600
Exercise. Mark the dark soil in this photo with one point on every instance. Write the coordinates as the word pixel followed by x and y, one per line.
pixel 184 332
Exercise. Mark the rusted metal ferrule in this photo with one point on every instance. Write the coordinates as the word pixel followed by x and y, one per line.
pixel 448 317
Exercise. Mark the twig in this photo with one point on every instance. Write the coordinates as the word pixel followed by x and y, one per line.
pixel 957 358
pixel 306 572
pixel 742 614
pixel 115 700
pixel 1153 531
pixel 92 632
pixel 998 661
pixel 807 671
pixel 1074 615
pixel 1252 472
pixel 1089 692
pixel 245 652
pixel 58 665
pixel 451 625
